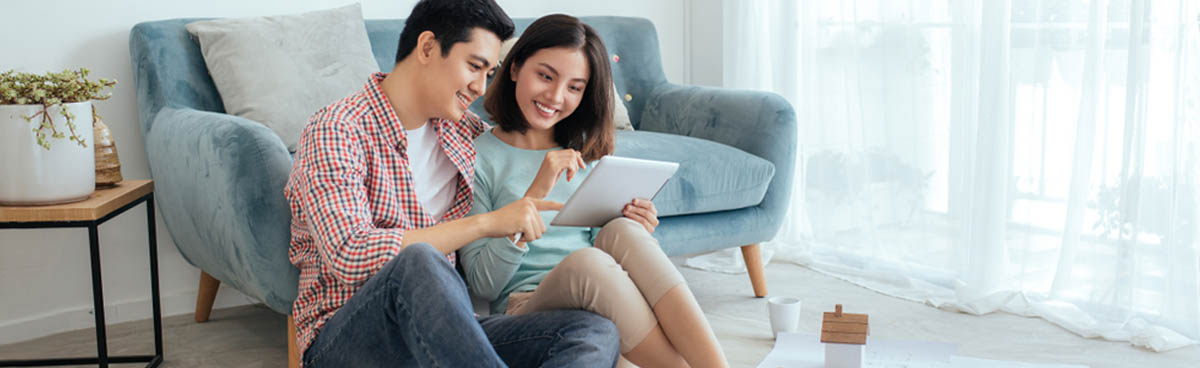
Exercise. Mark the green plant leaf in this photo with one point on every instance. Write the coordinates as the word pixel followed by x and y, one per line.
pixel 53 89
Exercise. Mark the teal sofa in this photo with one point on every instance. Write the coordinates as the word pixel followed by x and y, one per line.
pixel 219 178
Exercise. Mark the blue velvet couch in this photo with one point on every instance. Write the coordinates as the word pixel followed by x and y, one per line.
pixel 219 178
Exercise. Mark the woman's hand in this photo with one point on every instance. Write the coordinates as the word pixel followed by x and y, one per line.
pixel 643 212
pixel 555 163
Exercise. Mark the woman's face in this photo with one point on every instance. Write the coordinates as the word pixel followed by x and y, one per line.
pixel 550 84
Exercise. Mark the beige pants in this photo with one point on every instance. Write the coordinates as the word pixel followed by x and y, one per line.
pixel 621 278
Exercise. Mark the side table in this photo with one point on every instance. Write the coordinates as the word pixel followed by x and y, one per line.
pixel 103 205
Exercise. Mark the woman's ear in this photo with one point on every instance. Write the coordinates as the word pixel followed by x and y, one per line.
pixel 516 70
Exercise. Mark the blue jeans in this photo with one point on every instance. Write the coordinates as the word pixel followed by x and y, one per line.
pixel 415 312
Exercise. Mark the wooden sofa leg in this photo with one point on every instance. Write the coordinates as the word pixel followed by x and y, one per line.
pixel 293 353
pixel 205 296
pixel 752 254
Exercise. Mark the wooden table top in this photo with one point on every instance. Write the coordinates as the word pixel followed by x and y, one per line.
pixel 99 204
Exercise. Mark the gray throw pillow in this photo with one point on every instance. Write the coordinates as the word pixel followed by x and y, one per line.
pixel 279 70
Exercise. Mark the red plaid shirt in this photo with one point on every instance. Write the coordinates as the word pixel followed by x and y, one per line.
pixel 352 198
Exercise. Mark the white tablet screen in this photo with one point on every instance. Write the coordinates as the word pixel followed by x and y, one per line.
pixel 614 182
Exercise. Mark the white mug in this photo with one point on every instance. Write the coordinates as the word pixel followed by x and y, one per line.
pixel 784 313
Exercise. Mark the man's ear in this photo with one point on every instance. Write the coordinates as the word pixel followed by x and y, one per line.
pixel 427 47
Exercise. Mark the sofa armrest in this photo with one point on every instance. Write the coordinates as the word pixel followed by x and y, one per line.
pixel 760 123
pixel 169 70
pixel 219 183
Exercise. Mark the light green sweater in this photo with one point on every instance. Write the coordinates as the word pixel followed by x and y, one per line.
pixel 495 267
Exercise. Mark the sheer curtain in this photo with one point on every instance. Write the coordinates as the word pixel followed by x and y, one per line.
pixel 1035 157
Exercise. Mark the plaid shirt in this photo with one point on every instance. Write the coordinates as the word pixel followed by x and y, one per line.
pixel 352 198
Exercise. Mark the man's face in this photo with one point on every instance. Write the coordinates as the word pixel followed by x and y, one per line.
pixel 454 81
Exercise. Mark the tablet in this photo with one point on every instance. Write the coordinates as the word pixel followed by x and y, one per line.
pixel 614 182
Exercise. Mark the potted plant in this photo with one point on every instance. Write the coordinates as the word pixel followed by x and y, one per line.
pixel 46 153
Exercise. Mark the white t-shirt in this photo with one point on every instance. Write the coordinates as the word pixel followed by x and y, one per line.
pixel 433 174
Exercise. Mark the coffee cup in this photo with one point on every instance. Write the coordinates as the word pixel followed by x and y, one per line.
pixel 784 313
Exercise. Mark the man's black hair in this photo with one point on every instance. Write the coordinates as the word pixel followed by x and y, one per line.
pixel 451 21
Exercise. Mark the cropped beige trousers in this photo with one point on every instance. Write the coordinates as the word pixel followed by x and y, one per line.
pixel 622 277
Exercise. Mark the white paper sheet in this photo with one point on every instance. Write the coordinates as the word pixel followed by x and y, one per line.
pixel 961 361
pixel 795 350
pixel 799 350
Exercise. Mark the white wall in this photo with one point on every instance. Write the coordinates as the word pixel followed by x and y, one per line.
pixel 44 274
pixel 703 32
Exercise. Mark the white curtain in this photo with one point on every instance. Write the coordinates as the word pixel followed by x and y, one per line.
pixel 1038 157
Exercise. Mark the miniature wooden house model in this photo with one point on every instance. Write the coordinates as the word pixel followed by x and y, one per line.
pixel 844 335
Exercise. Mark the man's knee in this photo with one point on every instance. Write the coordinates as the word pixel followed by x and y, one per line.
pixel 420 251
pixel 420 257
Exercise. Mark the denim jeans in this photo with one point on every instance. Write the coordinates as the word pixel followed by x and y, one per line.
pixel 416 312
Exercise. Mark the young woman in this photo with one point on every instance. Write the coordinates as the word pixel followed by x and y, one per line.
pixel 552 101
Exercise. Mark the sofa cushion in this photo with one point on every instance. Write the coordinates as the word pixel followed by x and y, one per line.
pixel 279 70
pixel 711 177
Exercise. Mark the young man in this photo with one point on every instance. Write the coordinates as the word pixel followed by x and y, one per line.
pixel 378 191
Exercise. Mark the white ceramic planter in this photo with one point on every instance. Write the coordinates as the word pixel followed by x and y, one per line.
pixel 33 175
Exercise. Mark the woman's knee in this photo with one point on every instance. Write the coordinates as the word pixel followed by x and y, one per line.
pixel 587 261
pixel 622 225
pixel 591 266
pixel 623 235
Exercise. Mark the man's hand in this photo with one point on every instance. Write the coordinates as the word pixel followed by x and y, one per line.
pixel 520 217
pixel 643 212
pixel 555 163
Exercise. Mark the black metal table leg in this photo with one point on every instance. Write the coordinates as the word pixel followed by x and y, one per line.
pixel 98 296
pixel 158 343
pixel 102 358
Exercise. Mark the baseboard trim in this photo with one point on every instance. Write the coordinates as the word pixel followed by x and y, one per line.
pixel 70 319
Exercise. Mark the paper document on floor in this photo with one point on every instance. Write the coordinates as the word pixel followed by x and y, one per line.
pixel 800 350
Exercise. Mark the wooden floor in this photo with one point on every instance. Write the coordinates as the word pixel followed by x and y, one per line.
pixel 252 336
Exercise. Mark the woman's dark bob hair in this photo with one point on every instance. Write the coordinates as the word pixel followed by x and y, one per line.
pixel 589 129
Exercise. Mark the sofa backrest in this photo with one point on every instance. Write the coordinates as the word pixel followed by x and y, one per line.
pixel 169 69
